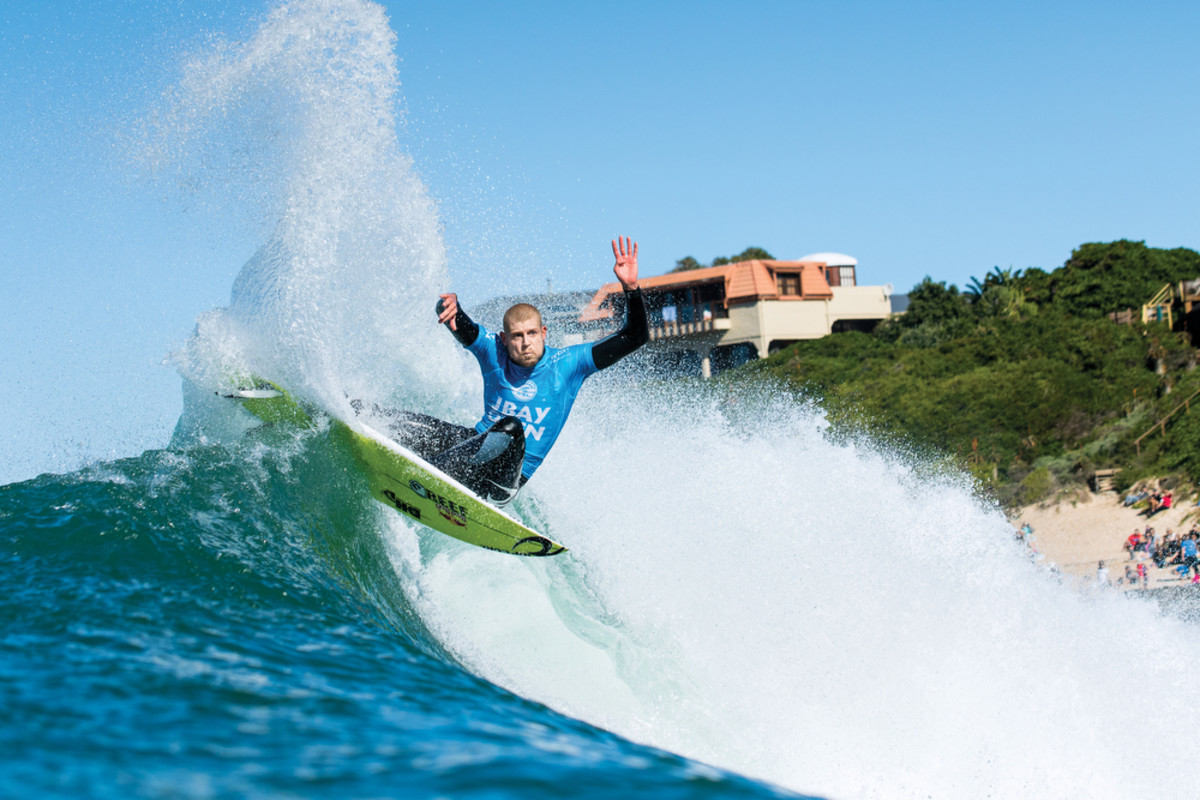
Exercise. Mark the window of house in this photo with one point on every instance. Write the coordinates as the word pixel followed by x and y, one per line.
pixel 839 276
pixel 788 283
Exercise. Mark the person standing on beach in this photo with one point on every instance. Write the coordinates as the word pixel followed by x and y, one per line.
pixel 1159 555
pixel 1187 549
pixel 1102 574
pixel 1132 543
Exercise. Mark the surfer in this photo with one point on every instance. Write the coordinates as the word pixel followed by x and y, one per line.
pixel 528 389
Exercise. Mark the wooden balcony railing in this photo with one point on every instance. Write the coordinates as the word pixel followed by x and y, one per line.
pixel 668 330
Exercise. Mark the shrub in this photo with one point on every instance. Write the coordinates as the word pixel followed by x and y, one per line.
pixel 1036 486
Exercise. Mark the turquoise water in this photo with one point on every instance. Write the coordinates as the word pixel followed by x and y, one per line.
pixel 212 622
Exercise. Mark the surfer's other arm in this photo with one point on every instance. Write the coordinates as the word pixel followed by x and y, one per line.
pixel 451 314
pixel 636 331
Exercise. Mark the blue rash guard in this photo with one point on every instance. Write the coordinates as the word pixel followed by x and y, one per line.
pixel 540 397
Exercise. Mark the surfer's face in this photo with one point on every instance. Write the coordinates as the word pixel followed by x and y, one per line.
pixel 525 339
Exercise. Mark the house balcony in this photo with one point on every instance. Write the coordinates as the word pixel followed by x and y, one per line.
pixel 695 327
pixel 673 330
pixel 673 321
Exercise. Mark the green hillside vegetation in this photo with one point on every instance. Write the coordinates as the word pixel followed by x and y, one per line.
pixel 1022 377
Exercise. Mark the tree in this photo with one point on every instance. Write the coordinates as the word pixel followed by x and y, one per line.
pixel 1036 284
pixel 753 254
pixel 933 302
pixel 686 263
pixel 1004 301
pixel 1101 278
pixel 997 277
pixel 749 254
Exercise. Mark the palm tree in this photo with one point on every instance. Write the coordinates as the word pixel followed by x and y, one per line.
pixel 997 277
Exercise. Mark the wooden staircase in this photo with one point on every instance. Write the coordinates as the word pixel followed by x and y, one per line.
pixel 1102 480
pixel 1159 307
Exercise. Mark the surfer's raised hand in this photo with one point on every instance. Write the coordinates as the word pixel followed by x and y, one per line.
pixel 626 267
pixel 447 307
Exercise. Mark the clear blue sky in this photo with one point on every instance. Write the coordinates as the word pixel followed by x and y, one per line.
pixel 937 139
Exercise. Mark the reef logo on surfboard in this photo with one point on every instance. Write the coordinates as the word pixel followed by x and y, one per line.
pixel 447 508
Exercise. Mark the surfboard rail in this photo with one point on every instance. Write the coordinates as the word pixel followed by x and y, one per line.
pixel 406 483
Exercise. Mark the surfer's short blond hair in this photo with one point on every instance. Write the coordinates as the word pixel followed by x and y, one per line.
pixel 521 312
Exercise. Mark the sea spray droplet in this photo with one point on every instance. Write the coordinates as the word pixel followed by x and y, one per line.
pixel 336 296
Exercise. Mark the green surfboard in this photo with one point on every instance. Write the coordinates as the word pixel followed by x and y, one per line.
pixel 403 481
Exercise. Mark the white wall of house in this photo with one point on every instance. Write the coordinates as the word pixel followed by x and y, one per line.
pixel 765 321
pixel 859 302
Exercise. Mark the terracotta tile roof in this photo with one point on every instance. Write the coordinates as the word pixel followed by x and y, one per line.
pixel 749 280
pixel 745 282
pixel 813 285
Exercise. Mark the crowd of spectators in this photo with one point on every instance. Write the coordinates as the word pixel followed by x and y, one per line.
pixel 1178 551
pixel 1145 549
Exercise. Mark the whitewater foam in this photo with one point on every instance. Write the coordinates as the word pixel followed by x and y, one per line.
pixel 826 616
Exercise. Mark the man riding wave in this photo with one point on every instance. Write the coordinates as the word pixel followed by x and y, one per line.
pixel 528 389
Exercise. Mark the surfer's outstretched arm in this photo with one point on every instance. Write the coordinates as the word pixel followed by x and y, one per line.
pixel 634 334
pixel 451 314
pixel 636 331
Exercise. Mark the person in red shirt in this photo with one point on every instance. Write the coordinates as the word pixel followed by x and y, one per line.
pixel 1131 544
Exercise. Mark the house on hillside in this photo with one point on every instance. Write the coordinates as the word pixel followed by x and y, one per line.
pixel 727 315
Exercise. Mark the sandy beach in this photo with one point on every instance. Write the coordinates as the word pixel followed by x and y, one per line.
pixel 1076 535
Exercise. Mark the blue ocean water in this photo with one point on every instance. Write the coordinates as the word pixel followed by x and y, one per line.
pixel 214 622
pixel 751 605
